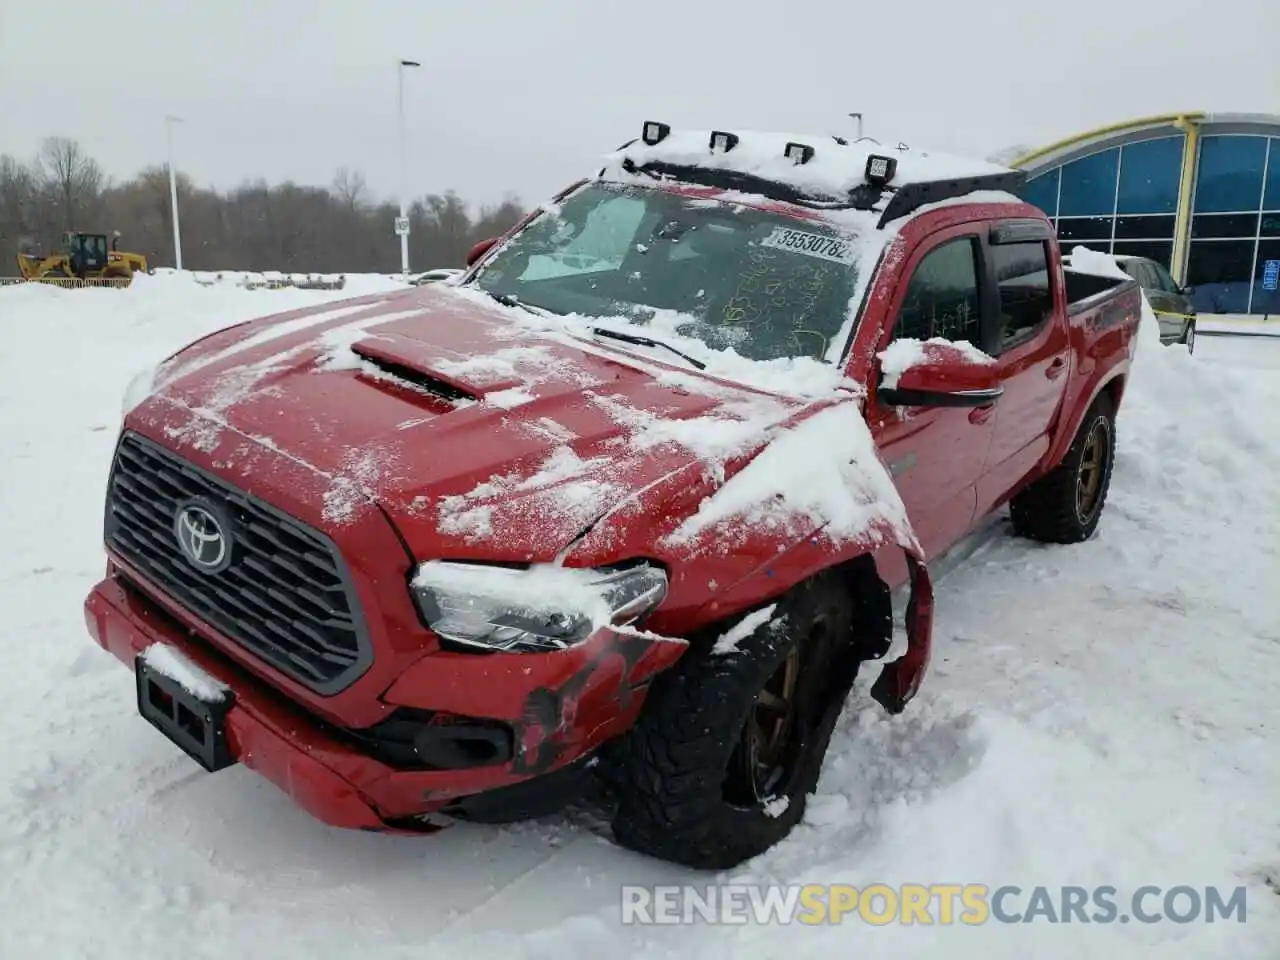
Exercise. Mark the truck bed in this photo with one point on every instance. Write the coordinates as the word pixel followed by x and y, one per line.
pixel 1088 290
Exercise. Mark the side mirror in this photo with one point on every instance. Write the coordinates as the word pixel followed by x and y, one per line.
pixel 480 249
pixel 937 373
pixel 1187 291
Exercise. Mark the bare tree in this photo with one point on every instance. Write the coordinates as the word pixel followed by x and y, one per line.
pixel 19 202
pixel 72 174
pixel 350 189
pixel 255 226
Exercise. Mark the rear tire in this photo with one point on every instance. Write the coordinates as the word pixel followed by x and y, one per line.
pixel 1065 505
pixel 729 745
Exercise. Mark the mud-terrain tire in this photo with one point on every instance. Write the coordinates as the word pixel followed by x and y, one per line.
pixel 1065 505
pixel 685 779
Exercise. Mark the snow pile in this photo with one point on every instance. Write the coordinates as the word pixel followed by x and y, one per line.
pixel 821 476
pixel 354 486
pixel 833 171
pixel 732 429
pixel 906 353
pixel 166 300
pixel 728 641
pixel 337 344
pixel 171 662
pixel 561 492
pixel 265 279
pixel 509 399
pixel 1084 260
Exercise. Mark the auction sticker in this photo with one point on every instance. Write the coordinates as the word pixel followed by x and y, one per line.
pixel 811 244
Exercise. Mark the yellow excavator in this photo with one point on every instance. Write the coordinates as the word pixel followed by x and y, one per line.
pixel 84 261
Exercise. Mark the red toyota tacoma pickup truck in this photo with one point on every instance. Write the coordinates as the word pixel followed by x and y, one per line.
pixel 625 502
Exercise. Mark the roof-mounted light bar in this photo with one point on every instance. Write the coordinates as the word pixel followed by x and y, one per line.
pixel 880 170
pixel 722 142
pixel 655 132
pixel 798 153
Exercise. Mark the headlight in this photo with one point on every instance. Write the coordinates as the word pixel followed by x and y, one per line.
pixel 531 610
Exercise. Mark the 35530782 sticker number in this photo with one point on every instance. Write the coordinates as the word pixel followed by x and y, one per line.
pixel 819 245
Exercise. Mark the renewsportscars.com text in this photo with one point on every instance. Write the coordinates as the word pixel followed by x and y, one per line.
pixel 928 904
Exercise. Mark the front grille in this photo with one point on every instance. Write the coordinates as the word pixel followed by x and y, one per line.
pixel 285 595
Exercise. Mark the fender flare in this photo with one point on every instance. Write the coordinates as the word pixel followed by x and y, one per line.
pixel 1069 428
pixel 899 680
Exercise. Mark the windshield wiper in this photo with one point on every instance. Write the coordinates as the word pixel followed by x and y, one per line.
pixel 507 300
pixel 644 342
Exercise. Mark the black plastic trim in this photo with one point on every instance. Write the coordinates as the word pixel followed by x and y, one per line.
pixel 731 180
pixel 1019 231
pixel 412 739
pixel 910 197
pixel 903 200
pixel 173 711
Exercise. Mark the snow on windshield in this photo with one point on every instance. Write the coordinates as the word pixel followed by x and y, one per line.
pixel 731 276
pixel 789 376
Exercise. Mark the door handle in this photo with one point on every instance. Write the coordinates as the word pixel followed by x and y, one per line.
pixel 1056 369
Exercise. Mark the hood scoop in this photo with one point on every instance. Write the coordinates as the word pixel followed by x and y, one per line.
pixel 402 366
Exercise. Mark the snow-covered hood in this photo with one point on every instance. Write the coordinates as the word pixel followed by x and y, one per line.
pixel 483 436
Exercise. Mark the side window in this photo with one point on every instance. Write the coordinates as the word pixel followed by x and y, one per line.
pixel 1142 273
pixel 942 296
pixel 1026 293
pixel 1164 278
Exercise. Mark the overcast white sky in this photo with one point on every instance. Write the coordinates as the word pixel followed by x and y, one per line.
pixel 524 95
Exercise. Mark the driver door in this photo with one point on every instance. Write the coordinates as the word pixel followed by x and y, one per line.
pixel 936 454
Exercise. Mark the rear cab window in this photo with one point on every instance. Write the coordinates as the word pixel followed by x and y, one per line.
pixel 1024 286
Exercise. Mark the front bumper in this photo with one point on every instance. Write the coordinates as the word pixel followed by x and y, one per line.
pixel 330 775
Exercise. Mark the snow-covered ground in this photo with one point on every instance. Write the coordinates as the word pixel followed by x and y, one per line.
pixel 1099 715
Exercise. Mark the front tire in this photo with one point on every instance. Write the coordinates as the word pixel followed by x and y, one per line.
pixel 1189 337
pixel 1065 505
pixel 730 744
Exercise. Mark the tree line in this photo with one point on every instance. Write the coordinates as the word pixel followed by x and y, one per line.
pixel 341 228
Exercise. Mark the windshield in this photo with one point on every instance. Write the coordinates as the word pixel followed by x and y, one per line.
pixel 766 285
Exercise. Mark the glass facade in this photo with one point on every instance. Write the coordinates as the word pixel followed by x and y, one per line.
pixel 1120 200
pixel 1237 199
pixel 1124 200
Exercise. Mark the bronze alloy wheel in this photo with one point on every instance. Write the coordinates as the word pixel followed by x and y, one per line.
pixel 1093 469
pixel 766 752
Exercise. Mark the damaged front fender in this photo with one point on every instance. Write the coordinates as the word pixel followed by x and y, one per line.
pixel 900 679
pixel 559 705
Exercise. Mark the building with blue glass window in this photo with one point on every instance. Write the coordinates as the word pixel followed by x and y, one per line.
pixel 1199 192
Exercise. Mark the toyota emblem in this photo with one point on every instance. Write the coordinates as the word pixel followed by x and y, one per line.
pixel 203 538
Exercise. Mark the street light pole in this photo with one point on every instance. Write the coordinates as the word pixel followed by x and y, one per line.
pixel 169 121
pixel 402 222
